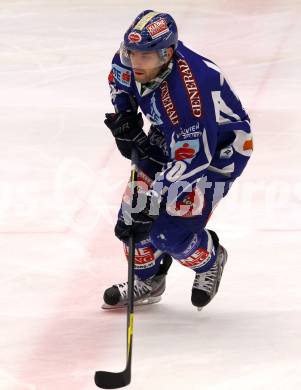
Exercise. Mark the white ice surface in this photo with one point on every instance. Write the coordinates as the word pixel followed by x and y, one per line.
pixel 61 180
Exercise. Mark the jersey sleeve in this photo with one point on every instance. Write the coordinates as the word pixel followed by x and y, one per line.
pixel 235 135
pixel 120 82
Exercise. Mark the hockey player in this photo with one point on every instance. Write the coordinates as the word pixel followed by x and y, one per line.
pixel 199 142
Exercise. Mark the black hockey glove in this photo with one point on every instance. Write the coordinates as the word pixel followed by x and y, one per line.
pixel 139 224
pixel 127 128
pixel 140 227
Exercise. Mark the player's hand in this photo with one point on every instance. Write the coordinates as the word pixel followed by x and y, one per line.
pixel 141 225
pixel 127 129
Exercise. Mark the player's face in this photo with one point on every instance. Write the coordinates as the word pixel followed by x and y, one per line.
pixel 146 65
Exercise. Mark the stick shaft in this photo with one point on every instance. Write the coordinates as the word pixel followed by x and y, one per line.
pixel 131 263
pixel 114 380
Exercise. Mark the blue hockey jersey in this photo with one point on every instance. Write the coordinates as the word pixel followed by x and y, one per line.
pixel 198 123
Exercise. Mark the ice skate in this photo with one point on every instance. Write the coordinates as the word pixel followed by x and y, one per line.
pixel 206 284
pixel 146 292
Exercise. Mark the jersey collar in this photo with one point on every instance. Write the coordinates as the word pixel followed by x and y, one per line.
pixel 145 89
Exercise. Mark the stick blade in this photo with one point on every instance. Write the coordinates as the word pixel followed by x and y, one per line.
pixel 112 380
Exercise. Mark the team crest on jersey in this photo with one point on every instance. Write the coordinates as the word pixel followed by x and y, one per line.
pixel 122 75
pixel 154 116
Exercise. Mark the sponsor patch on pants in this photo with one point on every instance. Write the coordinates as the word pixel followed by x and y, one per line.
pixel 198 258
pixel 144 257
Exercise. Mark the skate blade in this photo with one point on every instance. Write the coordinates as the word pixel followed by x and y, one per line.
pixel 144 302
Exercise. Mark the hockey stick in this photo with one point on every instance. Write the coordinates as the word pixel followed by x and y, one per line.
pixel 115 380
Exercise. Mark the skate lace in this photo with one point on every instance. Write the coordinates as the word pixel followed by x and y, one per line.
pixel 206 281
pixel 140 288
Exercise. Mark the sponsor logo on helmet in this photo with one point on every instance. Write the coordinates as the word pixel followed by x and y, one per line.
pixel 157 28
pixel 134 37
pixel 191 88
pixel 168 103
